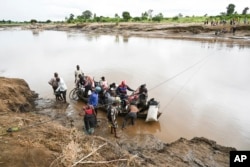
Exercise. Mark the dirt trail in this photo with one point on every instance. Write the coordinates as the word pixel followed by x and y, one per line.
pixel 46 137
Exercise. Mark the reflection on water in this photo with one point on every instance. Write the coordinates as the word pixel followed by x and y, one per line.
pixel 220 45
pixel 35 32
pixel 203 87
pixel 117 38
pixel 125 39
pixel 91 37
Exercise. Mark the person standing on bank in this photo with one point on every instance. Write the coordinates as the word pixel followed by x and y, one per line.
pixel 89 118
pixel 77 72
pixel 112 115
pixel 62 88
pixel 54 85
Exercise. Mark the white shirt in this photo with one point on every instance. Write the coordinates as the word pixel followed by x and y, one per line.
pixel 104 84
pixel 61 86
pixel 77 72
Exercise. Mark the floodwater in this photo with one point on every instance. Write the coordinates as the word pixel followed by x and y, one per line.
pixel 203 88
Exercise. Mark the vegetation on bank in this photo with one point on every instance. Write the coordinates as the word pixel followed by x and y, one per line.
pixel 148 16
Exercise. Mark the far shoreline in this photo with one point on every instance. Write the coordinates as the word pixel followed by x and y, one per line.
pixel 181 31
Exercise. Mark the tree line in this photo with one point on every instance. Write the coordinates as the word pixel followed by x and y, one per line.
pixel 88 16
pixel 147 16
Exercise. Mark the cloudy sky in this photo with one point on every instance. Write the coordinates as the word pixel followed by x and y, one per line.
pixel 57 10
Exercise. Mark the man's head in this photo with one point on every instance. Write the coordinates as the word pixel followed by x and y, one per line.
pixel 77 67
pixel 143 86
pixel 56 75
pixel 123 83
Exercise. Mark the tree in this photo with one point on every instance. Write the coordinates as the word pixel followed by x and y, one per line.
pixel 71 16
pixel 144 16
pixel 150 13
pixel 245 10
pixel 70 19
pixel 222 13
pixel 180 15
pixel 175 18
pixel 126 16
pixel 33 21
pixel 117 16
pixel 230 9
pixel 137 19
pixel 80 19
pixel 86 14
pixel 97 18
pixel 158 17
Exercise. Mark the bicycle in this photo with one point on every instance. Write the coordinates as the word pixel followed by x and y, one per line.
pixel 73 94
pixel 76 94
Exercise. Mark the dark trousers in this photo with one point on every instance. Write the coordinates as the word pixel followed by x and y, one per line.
pixel 132 116
pixel 89 121
pixel 57 94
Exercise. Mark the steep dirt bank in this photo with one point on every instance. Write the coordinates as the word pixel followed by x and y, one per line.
pixel 51 140
pixel 189 31
pixel 185 31
pixel 14 95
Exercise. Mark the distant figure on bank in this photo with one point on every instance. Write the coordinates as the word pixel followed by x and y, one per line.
pixel 234 29
pixel 54 85
pixel 62 88
pixel 77 72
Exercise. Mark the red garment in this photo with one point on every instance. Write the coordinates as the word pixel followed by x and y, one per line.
pixel 89 111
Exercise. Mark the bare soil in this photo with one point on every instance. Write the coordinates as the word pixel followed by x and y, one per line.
pixel 42 134
pixel 188 31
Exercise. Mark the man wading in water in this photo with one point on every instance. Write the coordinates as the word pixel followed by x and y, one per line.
pixel 133 109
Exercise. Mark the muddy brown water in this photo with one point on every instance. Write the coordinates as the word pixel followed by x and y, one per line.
pixel 203 88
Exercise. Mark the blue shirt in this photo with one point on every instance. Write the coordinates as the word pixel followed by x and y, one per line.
pixel 93 99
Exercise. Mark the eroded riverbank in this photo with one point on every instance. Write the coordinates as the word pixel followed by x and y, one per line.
pixel 188 31
pixel 46 131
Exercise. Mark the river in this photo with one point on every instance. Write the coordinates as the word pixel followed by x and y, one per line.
pixel 203 88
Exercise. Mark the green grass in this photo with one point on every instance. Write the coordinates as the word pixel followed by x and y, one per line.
pixel 187 19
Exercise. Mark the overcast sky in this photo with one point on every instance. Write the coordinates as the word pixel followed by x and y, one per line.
pixel 57 10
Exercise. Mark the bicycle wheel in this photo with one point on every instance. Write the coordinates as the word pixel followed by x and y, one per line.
pixel 73 94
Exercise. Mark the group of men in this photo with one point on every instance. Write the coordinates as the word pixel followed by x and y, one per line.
pixel 59 87
pixel 111 96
